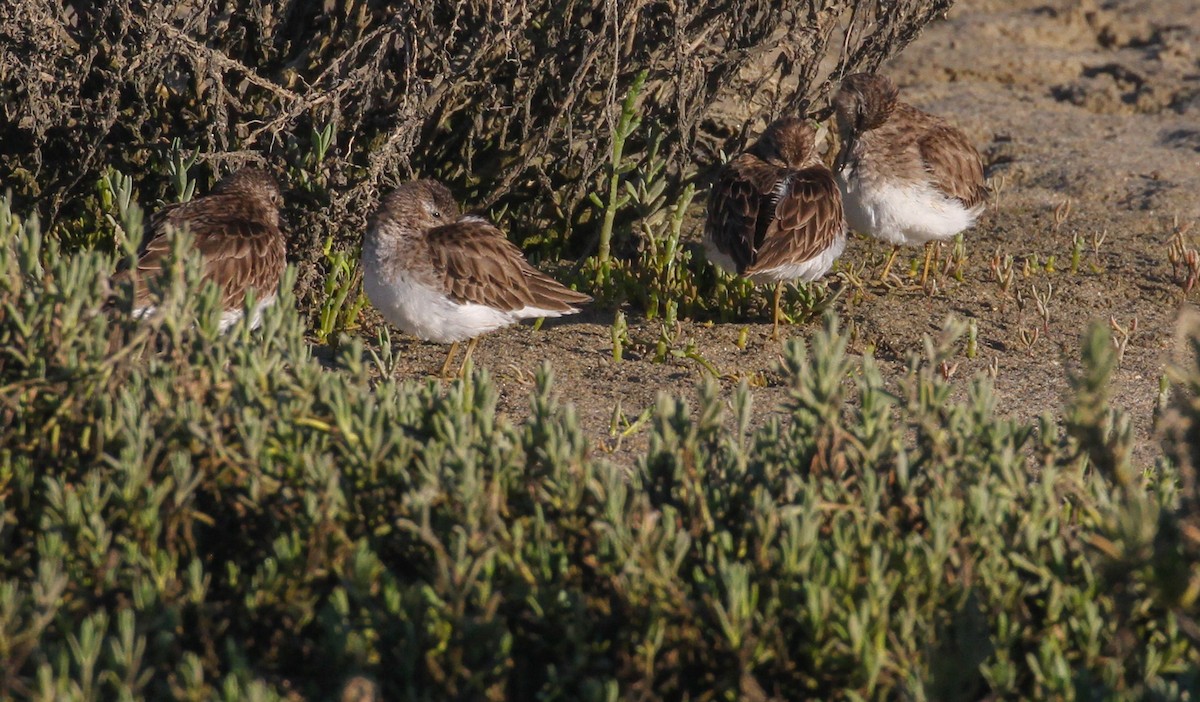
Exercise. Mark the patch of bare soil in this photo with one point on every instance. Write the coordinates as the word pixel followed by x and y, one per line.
pixel 1088 114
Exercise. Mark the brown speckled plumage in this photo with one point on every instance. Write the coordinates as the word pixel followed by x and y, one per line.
pixel 896 141
pixel 907 177
pixel 775 205
pixel 477 263
pixel 466 257
pixel 235 228
pixel 447 278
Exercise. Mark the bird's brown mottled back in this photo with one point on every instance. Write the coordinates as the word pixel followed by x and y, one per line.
pixel 806 222
pixel 235 228
pixel 776 204
pixel 477 263
pixel 903 142
pixel 949 156
pixel 418 228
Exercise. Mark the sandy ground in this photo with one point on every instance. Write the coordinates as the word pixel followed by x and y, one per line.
pixel 1080 102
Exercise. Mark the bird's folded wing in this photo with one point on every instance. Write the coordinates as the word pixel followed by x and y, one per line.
pixel 239 248
pixel 478 264
pixel 954 164
pixel 740 207
pixel 807 220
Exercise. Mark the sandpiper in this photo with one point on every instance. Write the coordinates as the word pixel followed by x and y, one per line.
pixel 907 177
pixel 446 277
pixel 775 214
pixel 236 229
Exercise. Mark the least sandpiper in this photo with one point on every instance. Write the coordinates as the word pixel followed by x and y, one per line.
pixel 907 177
pixel 236 229
pixel 775 214
pixel 445 277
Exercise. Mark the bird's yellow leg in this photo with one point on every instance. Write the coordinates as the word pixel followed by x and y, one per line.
pixel 462 369
pixel 887 267
pixel 928 257
pixel 449 357
pixel 775 314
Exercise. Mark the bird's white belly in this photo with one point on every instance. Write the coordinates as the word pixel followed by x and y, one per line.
pixel 228 317
pixel 903 213
pixel 429 314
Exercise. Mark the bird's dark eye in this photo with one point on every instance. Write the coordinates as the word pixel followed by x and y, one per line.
pixel 437 214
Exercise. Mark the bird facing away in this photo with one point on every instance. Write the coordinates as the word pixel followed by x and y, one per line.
pixel 446 277
pixel 775 213
pixel 907 177
pixel 236 229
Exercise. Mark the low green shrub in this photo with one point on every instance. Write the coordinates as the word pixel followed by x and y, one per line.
pixel 185 515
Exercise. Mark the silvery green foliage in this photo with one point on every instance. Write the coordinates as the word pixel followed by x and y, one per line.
pixel 190 515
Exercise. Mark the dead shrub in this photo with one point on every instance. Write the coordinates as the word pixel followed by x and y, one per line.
pixel 508 100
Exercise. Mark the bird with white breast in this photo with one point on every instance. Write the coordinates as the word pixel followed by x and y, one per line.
pixel 446 277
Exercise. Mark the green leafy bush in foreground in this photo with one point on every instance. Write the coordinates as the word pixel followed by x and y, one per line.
pixel 187 516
